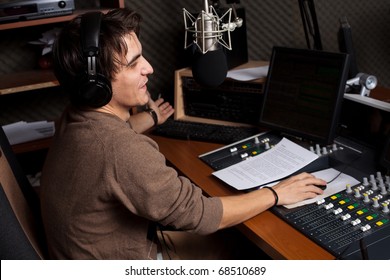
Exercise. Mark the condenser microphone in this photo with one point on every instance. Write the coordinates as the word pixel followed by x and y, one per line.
pixel 209 63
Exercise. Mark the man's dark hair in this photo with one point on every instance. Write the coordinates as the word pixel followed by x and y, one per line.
pixel 68 59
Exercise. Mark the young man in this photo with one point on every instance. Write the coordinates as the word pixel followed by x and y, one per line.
pixel 105 186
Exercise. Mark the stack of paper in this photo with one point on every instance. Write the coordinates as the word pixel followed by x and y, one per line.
pixel 22 131
pixel 283 159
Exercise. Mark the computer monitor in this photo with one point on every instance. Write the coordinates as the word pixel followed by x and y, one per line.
pixel 303 93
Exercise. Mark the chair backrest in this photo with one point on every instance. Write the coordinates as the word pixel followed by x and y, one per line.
pixel 21 230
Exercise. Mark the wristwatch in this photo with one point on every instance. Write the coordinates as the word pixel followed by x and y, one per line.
pixel 153 114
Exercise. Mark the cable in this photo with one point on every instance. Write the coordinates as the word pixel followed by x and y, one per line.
pixel 345 167
pixel 363 249
pixel 164 244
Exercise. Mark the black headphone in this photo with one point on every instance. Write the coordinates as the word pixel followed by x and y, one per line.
pixel 94 89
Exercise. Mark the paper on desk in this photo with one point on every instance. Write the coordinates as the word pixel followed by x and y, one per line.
pixel 282 160
pixel 333 187
pixel 22 131
pixel 248 74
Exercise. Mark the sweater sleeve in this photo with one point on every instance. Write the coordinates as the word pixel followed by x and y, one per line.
pixel 149 188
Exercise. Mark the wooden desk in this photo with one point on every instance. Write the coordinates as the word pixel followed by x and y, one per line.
pixel 273 235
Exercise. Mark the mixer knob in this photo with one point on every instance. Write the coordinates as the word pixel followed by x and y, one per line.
pixel 324 151
pixel 345 217
pixel 385 207
pixel 366 197
pixel 233 149
pixel 312 149
pixel 365 181
pixel 375 202
pixel 372 178
pixel 356 222
pixel 348 188
pixel 382 186
pixel 387 181
pixel 357 193
pixel 257 141
pixel 267 146
pixel 374 186
pixel 334 147
pixel 379 176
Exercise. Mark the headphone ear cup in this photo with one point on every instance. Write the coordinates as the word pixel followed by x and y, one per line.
pixel 93 91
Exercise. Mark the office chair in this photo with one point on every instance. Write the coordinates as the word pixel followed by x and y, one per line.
pixel 21 230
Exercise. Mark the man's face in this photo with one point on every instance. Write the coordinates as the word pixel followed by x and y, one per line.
pixel 129 85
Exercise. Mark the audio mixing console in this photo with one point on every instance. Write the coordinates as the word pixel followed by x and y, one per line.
pixel 351 224
pixel 257 144
pixel 239 151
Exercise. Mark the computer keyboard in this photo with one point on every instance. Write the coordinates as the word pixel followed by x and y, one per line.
pixel 223 134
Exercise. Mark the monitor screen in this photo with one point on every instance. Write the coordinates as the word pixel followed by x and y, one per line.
pixel 303 93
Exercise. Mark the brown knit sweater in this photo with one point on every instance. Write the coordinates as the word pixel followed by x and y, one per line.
pixel 104 186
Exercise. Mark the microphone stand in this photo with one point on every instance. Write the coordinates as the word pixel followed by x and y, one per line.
pixel 310 23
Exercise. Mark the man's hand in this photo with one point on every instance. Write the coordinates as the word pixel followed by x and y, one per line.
pixel 163 109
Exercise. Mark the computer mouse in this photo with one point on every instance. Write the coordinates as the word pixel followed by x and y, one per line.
pixel 322 187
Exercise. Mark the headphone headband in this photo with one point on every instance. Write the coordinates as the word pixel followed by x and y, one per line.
pixel 90 31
